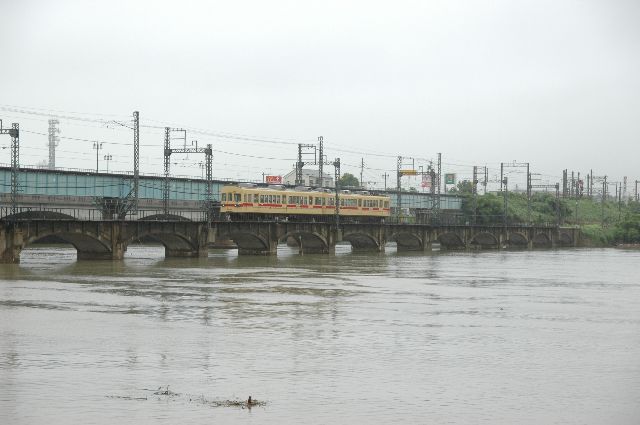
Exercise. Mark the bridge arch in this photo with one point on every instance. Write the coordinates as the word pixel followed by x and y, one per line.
pixel 517 239
pixel 407 241
pixel 484 239
pixel 308 241
pixel 541 240
pixel 565 239
pixel 363 242
pixel 175 244
pixel 251 243
pixel 88 245
pixel 450 240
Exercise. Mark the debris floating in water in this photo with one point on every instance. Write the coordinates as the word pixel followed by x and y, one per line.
pixel 165 391
pixel 126 397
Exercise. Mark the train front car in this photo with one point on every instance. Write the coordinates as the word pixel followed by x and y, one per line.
pixel 250 202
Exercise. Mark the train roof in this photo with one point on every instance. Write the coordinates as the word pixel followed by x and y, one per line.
pixel 302 189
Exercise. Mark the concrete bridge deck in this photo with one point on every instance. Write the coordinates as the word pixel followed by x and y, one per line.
pixel 109 239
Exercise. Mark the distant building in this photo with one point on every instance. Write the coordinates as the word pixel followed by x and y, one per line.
pixel 309 178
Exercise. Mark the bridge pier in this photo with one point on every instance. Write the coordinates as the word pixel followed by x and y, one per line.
pixel 11 243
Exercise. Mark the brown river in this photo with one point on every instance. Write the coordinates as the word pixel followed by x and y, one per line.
pixel 491 337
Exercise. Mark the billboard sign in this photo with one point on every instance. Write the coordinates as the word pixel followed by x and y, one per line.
pixel 273 179
pixel 408 172
pixel 426 181
pixel 449 178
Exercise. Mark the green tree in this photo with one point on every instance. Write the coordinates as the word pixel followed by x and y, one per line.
pixel 465 187
pixel 349 180
pixel 628 230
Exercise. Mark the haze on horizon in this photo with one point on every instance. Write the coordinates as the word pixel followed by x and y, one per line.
pixel 552 83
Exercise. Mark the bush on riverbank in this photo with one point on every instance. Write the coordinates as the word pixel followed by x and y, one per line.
pixel 628 230
pixel 602 224
pixel 596 235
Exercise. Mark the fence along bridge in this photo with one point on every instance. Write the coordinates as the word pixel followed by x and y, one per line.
pixel 109 239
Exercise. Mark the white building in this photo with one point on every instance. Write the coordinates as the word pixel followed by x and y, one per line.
pixel 309 178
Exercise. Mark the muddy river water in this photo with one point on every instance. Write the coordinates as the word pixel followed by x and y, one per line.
pixel 513 337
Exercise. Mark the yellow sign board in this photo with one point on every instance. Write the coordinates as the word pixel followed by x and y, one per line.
pixel 408 172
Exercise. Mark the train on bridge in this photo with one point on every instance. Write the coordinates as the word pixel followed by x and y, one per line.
pixel 248 201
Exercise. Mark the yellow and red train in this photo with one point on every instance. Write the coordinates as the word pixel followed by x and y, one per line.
pixel 251 201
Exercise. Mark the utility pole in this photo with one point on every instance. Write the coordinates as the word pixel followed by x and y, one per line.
pixel 136 161
pixel 208 151
pixel 320 161
pixel 336 165
pixel 167 166
pixel 436 198
pixel 564 183
pixel 399 187
pixel 486 179
pixel 361 172
pixel 54 139
pixel 573 185
pixel 506 201
pixel 528 195
pixel 620 202
pixel 474 191
pixel 558 204
pixel 604 191
pixel 14 133
pixel 97 146
pixel 636 190
pixel 385 175
pixel 107 158
pixel 301 163
pixel 209 195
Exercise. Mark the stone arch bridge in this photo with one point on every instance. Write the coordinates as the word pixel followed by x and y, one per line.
pixel 262 238
pixel 109 239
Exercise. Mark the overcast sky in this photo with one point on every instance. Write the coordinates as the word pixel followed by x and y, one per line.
pixel 554 83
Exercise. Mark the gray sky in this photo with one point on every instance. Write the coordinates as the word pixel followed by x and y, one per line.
pixel 555 83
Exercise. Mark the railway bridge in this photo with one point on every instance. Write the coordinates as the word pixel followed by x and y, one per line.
pixel 109 239
pixel 262 238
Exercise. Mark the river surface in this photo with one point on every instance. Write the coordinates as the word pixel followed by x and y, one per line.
pixel 501 337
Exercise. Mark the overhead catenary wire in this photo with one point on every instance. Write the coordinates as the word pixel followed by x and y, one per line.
pixel 115 121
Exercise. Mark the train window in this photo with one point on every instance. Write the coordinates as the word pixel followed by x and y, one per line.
pixel 359 202
pixel 224 197
pixel 386 204
pixel 324 201
pixel 237 197
pixel 255 198
pixel 262 199
pixel 271 201
pixel 310 200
